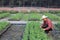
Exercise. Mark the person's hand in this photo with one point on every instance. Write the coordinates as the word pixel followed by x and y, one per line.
pixel 43 29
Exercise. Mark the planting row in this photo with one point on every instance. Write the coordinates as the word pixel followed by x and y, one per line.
pixel 26 17
pixel 2 15
pixel 17 16
pixel 34 17
pixel 30 17
pixel 56 13
pixel 3 25
pixel 53 17
pixel 34 32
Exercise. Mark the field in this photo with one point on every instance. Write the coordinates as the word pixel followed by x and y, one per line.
pixel 31 30
pixel 33 16
pixel 34 32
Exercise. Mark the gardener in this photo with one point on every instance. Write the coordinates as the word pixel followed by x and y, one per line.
pixel 47 24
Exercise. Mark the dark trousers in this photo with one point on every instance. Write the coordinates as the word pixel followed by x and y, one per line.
pixel 47 31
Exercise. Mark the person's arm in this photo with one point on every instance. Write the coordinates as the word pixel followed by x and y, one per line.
pixel 49 25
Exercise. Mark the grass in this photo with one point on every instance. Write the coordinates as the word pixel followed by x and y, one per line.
pixel 3 25
pixel 34 32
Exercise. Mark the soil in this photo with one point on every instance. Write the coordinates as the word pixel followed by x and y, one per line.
pixel 13 20
pixel 33 20
pixel 5 29
pixel 13 33
pixel 55 34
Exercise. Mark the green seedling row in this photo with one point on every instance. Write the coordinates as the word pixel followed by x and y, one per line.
pixel 3 25
pixel 34 32
pixel 26 17
pixel 52 16
pixel 34 16
pixel 2 15
pixel 17 16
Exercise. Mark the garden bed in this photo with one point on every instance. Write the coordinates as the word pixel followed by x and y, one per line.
pixel 55 12
pixel 53 17
pixel 33 16
pixel 34 32
pixel 16 17
pixel 25 17
pixel 15 32
pixel 3 15
pixel 4 26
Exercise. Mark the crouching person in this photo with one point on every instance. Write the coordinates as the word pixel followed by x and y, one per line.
pixel 47 24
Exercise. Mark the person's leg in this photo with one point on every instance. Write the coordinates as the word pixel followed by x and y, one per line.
pixel 46 31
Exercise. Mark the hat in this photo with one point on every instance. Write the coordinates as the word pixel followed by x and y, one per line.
pixel 44 17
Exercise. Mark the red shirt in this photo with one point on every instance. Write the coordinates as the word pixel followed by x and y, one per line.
pixel 49 22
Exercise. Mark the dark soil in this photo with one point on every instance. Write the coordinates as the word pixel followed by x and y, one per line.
pixel 5 29
pixel 13 20
pixel 33 20
pixel 55 34
pixel 13 33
